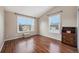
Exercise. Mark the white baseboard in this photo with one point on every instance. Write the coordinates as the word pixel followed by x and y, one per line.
pixel 12 38
pixel 49 37
pixel 1 46
pixel 17 37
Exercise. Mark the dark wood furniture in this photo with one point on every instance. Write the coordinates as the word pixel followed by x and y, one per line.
pixel 69 36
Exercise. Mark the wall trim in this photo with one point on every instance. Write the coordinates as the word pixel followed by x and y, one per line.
pixel 12 38
pixel 2 46
pixel 19 37
pixel 49 37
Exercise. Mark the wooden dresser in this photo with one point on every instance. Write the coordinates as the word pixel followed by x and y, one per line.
pixel 69 36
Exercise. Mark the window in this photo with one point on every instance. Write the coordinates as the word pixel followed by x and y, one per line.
pixel 24 24
pixel 54 23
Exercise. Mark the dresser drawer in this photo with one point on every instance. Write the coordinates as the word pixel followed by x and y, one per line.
pixel 69 36
pixel 68 41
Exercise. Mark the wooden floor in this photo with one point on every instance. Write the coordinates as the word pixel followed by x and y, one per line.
pixel 36 44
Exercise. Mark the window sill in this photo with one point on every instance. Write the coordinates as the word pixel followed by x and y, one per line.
pixel 55 32
pixel 24 32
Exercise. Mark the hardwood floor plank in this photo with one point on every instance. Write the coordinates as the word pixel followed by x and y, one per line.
pixel 36 44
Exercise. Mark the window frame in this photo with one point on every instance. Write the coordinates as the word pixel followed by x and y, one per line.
pixel 32 29
pixel 60 25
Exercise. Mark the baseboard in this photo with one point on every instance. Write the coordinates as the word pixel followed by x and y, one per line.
pixel 12 38
pixel 19 37
pixel 1 46
pixel 49 37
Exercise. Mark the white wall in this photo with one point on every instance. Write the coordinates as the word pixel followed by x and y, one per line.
pixel 11 27
pixel 78 28
pixel 68 20
pixel 1 27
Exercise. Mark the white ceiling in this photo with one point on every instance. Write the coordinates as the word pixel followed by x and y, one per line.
pixel 35 11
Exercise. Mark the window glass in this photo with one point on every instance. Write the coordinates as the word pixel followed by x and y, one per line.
pixel 54 23
pixel 25 24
